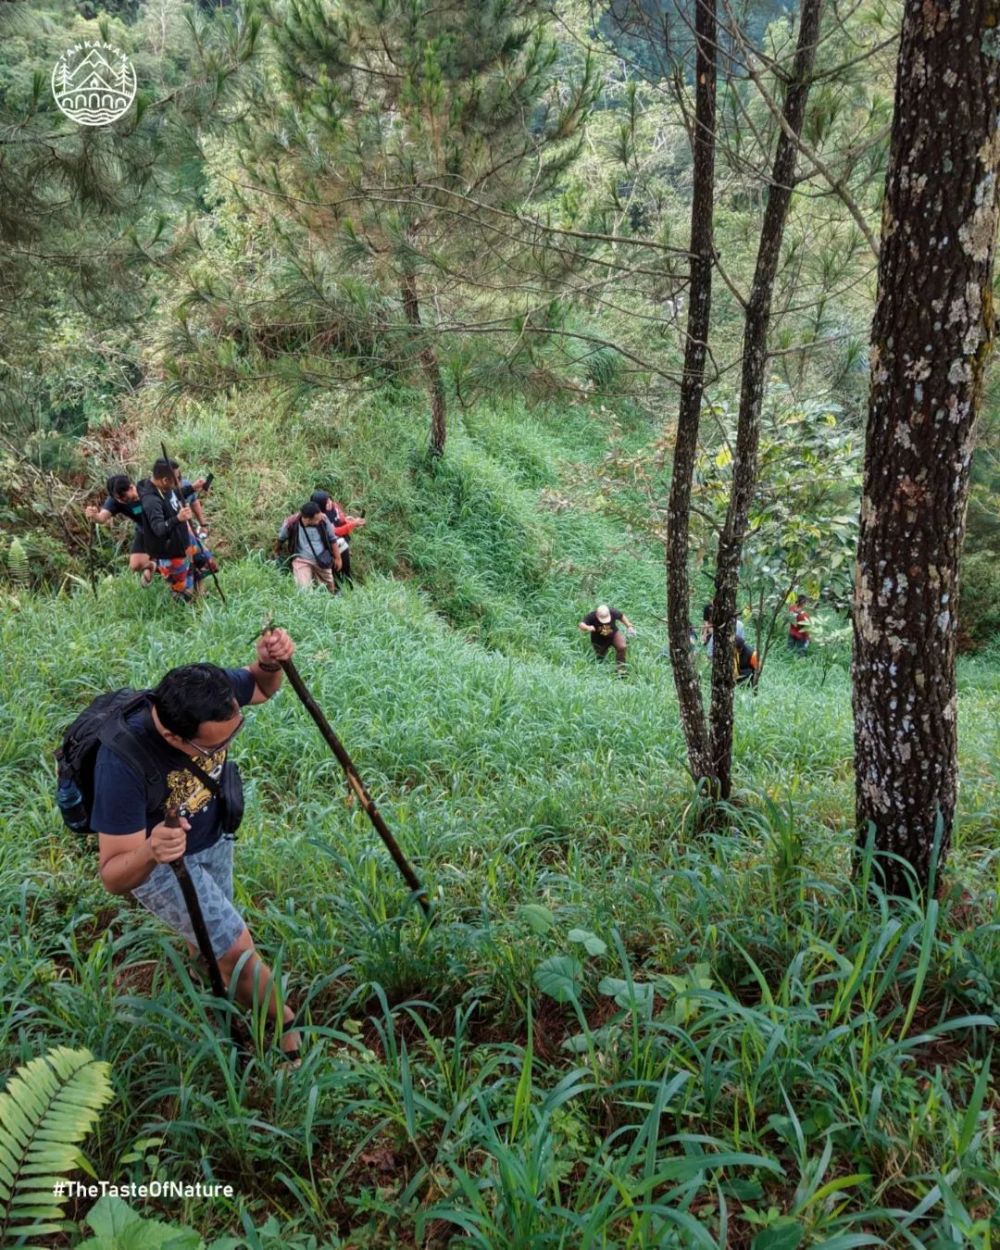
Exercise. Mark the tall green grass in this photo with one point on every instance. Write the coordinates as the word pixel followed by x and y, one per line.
pixel 820 1074
pixel 618 1033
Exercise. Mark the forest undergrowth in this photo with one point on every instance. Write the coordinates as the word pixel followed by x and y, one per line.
pixel 621 1030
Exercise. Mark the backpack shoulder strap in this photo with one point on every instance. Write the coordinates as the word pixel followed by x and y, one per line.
pixel 117 737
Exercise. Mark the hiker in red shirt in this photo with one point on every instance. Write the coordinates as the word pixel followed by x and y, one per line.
pixel 798 626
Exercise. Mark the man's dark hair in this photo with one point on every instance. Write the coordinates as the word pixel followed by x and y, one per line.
pixel 309 509
pixel 192 694
pixel 163 468
pixel 118 484
pixel 707 613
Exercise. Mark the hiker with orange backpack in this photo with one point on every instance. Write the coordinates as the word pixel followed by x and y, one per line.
pixel 798 625
pixel 745 661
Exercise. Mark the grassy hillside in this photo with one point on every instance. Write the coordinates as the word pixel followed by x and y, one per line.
pixel 507 534
pixel 617 1033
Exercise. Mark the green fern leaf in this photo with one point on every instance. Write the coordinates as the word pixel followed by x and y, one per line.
pixel 48 1108
pixel 17 562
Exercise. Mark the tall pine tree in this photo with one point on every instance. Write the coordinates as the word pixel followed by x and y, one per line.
pixel 389 154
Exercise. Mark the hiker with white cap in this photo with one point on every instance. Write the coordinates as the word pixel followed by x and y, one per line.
pixel 602 626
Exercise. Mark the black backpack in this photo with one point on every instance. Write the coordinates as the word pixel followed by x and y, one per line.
pixel 103 724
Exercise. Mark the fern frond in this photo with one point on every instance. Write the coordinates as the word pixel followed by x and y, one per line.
pixel 17 562
pixel 48 1108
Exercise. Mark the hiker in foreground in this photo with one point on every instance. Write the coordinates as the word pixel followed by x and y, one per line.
pixel 123 500
pixel 179 736
pixel 309 536
pixel 602 625
pixel 168 536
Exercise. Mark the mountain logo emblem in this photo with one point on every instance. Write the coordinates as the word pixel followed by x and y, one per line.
pixel 93 83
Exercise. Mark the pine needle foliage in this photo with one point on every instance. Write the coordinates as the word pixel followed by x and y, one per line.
pixel 387 145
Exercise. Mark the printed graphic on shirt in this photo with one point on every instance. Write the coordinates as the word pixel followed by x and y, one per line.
pixel 188 793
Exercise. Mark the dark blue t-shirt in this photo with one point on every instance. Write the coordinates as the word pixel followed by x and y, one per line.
pixel 120 792
pixel 133 509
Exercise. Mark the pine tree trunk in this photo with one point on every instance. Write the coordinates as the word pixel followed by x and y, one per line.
pixel 758 315
pixel 930 338
pixel 429 367
pixel 689 700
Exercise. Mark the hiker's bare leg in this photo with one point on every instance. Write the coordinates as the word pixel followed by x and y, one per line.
pixel 256 969
pixel 139 562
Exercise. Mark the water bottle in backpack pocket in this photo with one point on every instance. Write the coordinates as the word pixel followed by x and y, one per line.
pixel 71 803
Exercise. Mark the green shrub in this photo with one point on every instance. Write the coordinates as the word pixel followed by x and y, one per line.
pixel 979 596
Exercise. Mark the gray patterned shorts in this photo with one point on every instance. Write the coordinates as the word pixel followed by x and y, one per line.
pixel 211 870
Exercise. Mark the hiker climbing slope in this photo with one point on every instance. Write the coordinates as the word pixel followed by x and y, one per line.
pixel 310 539
pixel 602 625
pixel 343 527
pixel 168 535
pixel 123 500
pixel 179 737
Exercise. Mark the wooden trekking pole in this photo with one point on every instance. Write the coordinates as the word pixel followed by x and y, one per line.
pixel 354 780
pixel 93 539
pixel 236 1030
pixel 194 532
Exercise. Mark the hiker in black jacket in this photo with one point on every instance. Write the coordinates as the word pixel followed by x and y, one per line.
pixel 167 532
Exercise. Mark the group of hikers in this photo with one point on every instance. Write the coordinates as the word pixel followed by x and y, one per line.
pixel 316 536
pixel 608 628
pixel 149 771
pixel 162 508
pixel 170 532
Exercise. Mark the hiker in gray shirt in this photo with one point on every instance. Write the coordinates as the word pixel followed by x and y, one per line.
pixel 309 537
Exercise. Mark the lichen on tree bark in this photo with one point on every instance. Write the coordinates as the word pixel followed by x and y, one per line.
pixel 931 334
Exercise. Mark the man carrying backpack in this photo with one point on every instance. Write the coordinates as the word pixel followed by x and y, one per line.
pixel 343 527
pixel 310 538
pixel 798 625
pixel 132 756
pixel 745 662
pixel 167 533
